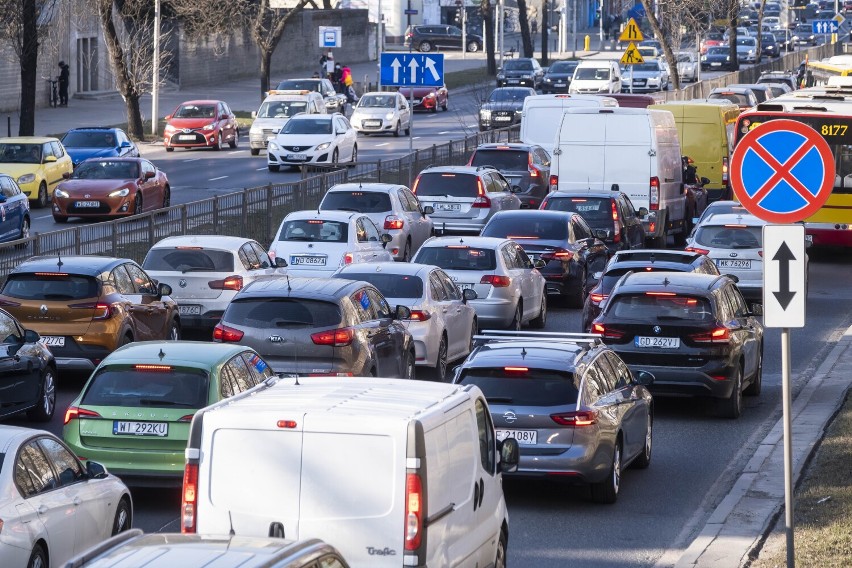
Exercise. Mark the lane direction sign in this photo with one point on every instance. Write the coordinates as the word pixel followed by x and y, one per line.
pixel 412 69
pixel 784 275
pixel 631 32
pixel 782 171
pixel 825 27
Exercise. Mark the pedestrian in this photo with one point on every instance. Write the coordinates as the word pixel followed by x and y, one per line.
pixel 323 60
pixel 534 26
pixel 329 65
pixel 346 76
pixel 64 75
pixel 337 78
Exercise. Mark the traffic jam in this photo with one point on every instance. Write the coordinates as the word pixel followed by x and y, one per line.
pixel 362 383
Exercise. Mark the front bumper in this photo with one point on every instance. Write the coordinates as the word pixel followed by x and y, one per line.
pixel 109 207
pixel 279 157
pixel 200 139
pixel 516 82
pixel 499 121
pixel 555 87
pixel 374 125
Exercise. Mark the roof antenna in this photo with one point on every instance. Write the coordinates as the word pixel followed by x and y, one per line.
pixel 59 261
pixel 523 352
pixel 231 522
pixel 161 354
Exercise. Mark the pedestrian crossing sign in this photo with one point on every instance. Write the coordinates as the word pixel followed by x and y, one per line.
pixel 632 55
pixel 631 32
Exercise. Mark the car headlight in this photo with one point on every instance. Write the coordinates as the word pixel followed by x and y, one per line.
pixel 751 52
pixel 500 76
pixel 59 193
pixel 255 130
pixel 211 126
pixel 170 128
pixel 547 80
pixel 120 193
pixel 324 145
pixel 273 146
pixel 484 113
pixel 389 116
pixel 26 178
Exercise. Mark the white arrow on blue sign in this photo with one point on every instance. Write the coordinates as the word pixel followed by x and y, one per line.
pixel 824 26
pixel 412 69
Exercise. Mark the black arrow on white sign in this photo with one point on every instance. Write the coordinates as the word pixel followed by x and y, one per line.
pixel 784 256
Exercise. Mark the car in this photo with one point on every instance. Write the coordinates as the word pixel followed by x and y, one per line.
pixel 321 327
pixel 334 101
pixel 390 206
pixel 426 98
pixel 325 139
pixel 111 187
pixel 657 321
pixel 557 78
pixel 36 163
pixel 133 548
pixel 649 51
pixel 648 260
pixel 442 322
pixel 687 66
pixel 29 369
pixel 525 166
pixel 274 112
pixel 785 77
pixel 719 207
pixel 201 124
pixel 133 413
pixel 769 45
pixel 85 307
pixel 762 92
pixel 717 58
pixel 578 413
pixel 427 38
pixel 740 32
pixel 205 272
pixel 521 72
pixel 561 240
pixel 650 76
pixel 53 506
pixel 510 291
pixel 743 97
pixel 784 38
pixel 463 198
pixel 382 111
pixel 503 107
pixel 747 49
pixel 15 220
pixel 609 214
pixel 777 89
pixel 803 34
pixel 847 6
pixel 711 39
pixel 774 22
pixel 98 142
pixel 317 243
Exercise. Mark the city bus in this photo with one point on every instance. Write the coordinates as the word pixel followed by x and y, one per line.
pixel 828 111
pixel 823 72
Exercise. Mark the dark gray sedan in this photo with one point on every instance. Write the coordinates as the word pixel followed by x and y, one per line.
pixel 503 107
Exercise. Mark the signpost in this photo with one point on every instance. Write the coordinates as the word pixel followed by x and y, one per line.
pixel 329 36
pixel 825 27
pixel 631 33
pixel 782 171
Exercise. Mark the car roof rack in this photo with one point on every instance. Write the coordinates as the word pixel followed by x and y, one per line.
pixel 492 335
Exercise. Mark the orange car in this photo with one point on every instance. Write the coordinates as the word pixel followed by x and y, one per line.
pixel 111 187
pixel 201 124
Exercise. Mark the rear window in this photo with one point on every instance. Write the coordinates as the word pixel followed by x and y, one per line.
pixel 527 227
pixel 148 385
pixel 446 185
pixel 458 258
pixel 48 286
pixel 610 277
pixel 360 201
pixel 189 260
pixel 736 98
pixel 516 160
pixel 277 313
pixel 314 230
pixel 390 285
pixel 533 387
pixel 662 306
pixel 594 210
pixel 729 236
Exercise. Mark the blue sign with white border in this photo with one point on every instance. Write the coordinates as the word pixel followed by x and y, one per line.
pixel 825 26
pixel 412 69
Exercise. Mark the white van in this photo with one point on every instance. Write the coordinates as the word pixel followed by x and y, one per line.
pixel 542 115
pixel 392 473
pixel 596 76
pixel 632 150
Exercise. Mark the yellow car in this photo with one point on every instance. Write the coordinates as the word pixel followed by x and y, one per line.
pixel 37 163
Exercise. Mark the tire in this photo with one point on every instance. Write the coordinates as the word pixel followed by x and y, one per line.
pixel 425 47
pixel 757 383
pixel 60 218
pixel 167 196
pixel 354 159
pixel 408 129
pixel 38 558
pixel 541 320
pixel 408 372
pixel 218 144
pixel 255 151
pixel 174 331
pixel 446 105
pixel 500 559
pixel 25 228
pixel 577 299
pixel 441 361
pixel 396 130
pixel 41 199
pixel 517 321
pixel 473 47
pixel 406 252
pixel 606 491
pixel 236 141
pixel 169 149
pixel 680 238
pixel 127 339
pixel 334 156
pixel 122 520
pixel 273 168
pixel 137 203
pixel 643 460
pixel 732 407
pixel 47 398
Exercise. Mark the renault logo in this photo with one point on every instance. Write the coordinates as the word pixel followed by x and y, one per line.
pixel 43 309
pixel 182 282
pixel 732 255
pixel 509 416
pixel 657 329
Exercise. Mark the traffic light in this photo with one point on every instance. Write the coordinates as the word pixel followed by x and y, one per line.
pixel 458 17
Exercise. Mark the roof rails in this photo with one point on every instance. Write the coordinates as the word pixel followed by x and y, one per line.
pixel 493 335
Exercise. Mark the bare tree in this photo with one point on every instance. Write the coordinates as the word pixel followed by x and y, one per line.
pixel 524 22
pixel 19 27
pixel 733 10
pixel 760 31
pixel 545 28
pixel 487 12
pixel 665 41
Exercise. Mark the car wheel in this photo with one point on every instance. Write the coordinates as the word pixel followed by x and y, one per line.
pixel 25 228
pixel 606 491
pixel 47 398
pixel 577 299
pixel 334 156
pixel 425 46
pixel 167 196
pixel 218 144
pixel 408 372
pixel 169 149
pixel 174 331
pixel 541 321
pixel 517 320
pixel 446 104
pixel 255 151
pixel 643 460
pixel 127 339
pixel 757 383
pixel 354 159
pixel 137 203
pixel 235 142
pixel 273 168
pixel 732 406
pixel 396 130
pixel 122 519
pixel 38 559
pixel 500 560
pixel 60 218
pixel 41 200
pixel 441 361
pixel 473 46
pixel 474 330
pixel 406 252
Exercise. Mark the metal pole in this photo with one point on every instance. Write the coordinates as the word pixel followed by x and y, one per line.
pixel 464 29
pixel 379 32
pixel 500 26
pixel 574 26
pixel 788 444
pixel 155 88
pixel 631 79
pixel 411 134
pixel 600 22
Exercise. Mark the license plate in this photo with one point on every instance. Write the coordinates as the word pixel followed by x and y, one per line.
pixel 464 286
pixel 524 437
pixel 186 137
pixel 87 204
pixel 308 260
pixel 372 123
pixel 715 65
pixel 503 118
pixel 659 342
pixel 729 263
pixel 558 84
pixel 53 340
pixel 123 428
pixel 299 157
pixel 447 207
pixel 189 310
pixel 514 81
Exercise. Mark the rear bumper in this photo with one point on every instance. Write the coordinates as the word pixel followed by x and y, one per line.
pixel 495 312
pixel 206 320
pixel 575 465
pixel 78 357
pixel 684 381
pixel 833 237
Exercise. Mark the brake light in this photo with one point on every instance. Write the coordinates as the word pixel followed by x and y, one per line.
pixel 725 169
pixel 413 511
pixel 348 258
pixel 615 229
pixel 554 181
pixel 334 337
pixel 597 298
pixel 74 412
pixel 576 418
pixel 60 274
pixel 393 222
pixel 286 423
pixel 660 294
pixel 718 335
pixel 698 250
pixel 102 310
pixel 482 201
pixel 189 498
pixel 543 203
pixel 496 281
pixel 560 254
pixel 153 368
pixel 533 170
pixel 186 418
pixel 516 369
pixel 230 283
pixel 654 195
pixel 607 332
pixel 226 334
pixel 419 315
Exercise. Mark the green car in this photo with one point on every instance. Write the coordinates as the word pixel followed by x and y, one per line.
pixel 133 414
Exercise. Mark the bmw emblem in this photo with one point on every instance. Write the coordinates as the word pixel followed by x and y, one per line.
pixel 509 416
pixel 657 329
pixel 732 255
pixel 182 282
pixel 43 309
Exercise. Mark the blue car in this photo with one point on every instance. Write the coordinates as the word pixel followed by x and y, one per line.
pixel 14 211
pixel 98 142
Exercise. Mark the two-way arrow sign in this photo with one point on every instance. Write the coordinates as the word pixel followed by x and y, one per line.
pixel 784 275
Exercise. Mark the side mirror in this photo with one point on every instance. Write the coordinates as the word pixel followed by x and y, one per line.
pixel 705 180
pixel 757 309
pixel 126 144
pixel 428 210
pixel 254 114
pixel 468 294
pixel 49 159
pixel 509 455
pixel 95 470
pixel 642 213
pixel 164 289
pixel 66 175
pixel 149 175
pixel 280 262
pixel 644 377
pixel 614 187
pixel 402 313
pixel 601 234
pixel 2 198
pixel 538 263
pixel 386 238
pixel 31 336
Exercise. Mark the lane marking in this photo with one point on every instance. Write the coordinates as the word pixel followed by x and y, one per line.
pixel 416 138
pixel 45 217
pixel 218 178
pixel 261 169
pixel 192 160
pixel 382 144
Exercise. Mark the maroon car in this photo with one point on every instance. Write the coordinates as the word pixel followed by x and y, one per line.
pixel 201 124
pixel 427 98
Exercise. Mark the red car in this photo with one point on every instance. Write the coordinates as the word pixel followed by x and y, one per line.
pixel 427 98
pixel 111 187
pixel 201 124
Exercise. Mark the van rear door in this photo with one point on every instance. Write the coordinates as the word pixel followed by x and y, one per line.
pixel 628 156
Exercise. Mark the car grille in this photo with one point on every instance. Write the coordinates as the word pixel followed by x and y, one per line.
pixel 663 360
pixel 100 210
pixel 196 138
pixel 509 113
pixel 640 82
pixel 297 148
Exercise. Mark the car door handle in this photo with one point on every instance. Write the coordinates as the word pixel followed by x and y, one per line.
pixel 76 501
pixel 481 491
pixel 42 510
pixel 475 496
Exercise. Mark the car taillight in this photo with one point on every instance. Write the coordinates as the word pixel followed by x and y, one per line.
pixel 531 167
pixel 482 202
pixel 654 194
pixel 419 315
pixel 348 258
pixel 393 222
pixel 413 511
pixel 543 204
pixel 725 169
pixel 698 250
pixel 554 181
pixel 576 418
pixel 616 231
pixel 335 337
pixel 496 281
pixel 102 310
pixel 189 500
pixel 559 254
pixel 718 335
pixel 226 334
pixel 606 331
pixel 186 418
pixel 230 283
pixel 597 298
pixel 74 412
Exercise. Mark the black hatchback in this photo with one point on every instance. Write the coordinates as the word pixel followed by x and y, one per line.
pixel 525 166
pixel 557 79
pixel 693 332
pixel 27 372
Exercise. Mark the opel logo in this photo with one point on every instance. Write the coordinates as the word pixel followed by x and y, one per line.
pixel 276 339
pixel 43 309
pixel 657 329
pixel 732 255
pixel 182 282
pixel 509 416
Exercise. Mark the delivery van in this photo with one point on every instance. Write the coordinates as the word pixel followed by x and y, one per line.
pixel 594 76
pixel 542 115
pixel 706 133
pixel 392 473
pixel 635 151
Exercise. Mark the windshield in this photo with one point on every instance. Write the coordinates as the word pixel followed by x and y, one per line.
pixel 595 210
pixel 746 41
pixel 736 98
pixel 360 201
pixel 530 226
pixel 647 66
pixel 20 153
pixel 47 286
pixel 89 139
pixel 314 230
pixel 390 285
pixel 281 109
pixel 729 236
pixel 276 313
pixel 532 387
pixel 106 169
pixel 718 51
pixel 377 101
pixel 503 160
pixel 308 126
pixel 592 74
pixel 519 65
pixel 189 259
pixel 457 257
pixel 649 307
pixel 300 85
pixel 563 67
pixel 684 58
pixel 507 95
pixel 148 386
pixel 196 111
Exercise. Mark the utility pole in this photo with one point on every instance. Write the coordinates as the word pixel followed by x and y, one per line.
pixel 500 26
pixel 155 79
